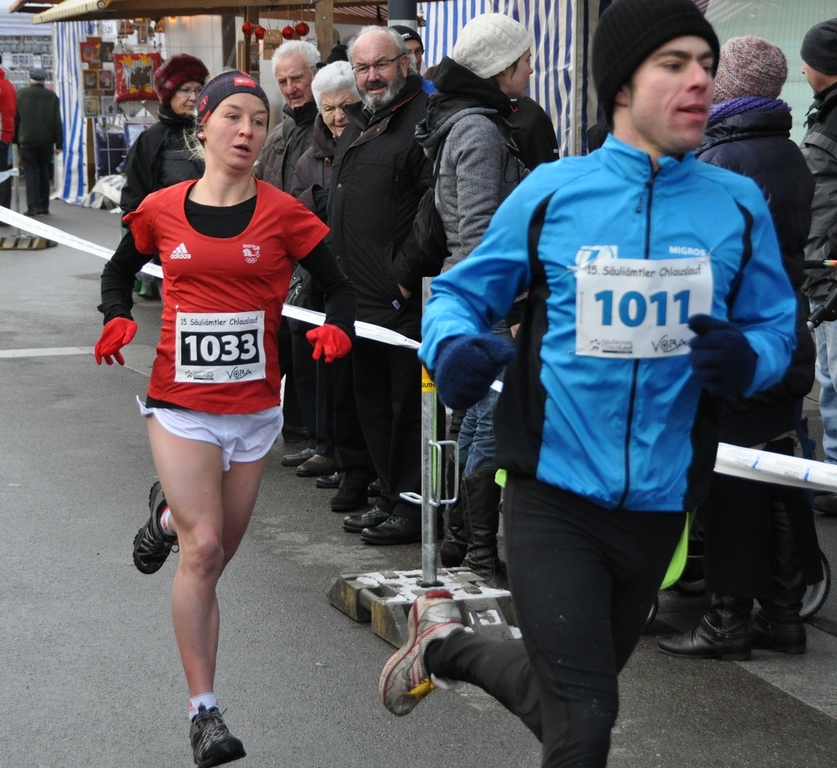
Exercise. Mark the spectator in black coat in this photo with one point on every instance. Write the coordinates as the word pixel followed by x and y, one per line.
pixel 760 540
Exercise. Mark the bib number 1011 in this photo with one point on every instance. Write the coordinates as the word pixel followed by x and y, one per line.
pixel 633 307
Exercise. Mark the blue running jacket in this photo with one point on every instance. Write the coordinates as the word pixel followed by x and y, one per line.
pixel 636 433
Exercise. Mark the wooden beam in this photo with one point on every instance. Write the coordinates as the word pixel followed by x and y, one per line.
pixel 324 26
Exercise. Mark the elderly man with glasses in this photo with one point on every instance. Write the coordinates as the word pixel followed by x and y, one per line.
pixel 380 173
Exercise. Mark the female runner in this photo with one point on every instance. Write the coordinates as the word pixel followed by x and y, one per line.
pixel 227 243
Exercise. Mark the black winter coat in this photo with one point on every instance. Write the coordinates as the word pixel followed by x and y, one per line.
pixel 819 147
pixel 758 145
pixel 379 175
pixel 312 176
pixel 736 514
pixel 159 158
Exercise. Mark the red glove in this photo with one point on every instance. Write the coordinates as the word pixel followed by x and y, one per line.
pixel 116 334
pixel 330 341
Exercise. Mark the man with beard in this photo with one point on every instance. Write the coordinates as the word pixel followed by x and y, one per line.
pixel 379 175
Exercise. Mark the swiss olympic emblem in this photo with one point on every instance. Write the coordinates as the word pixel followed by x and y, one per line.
pixel 251 253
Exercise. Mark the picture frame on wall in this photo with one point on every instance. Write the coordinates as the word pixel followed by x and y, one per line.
pixel 90 79
pixel 109 108
pixel 89 52
pixel 91 106
pixel 105 80
pixel 106 53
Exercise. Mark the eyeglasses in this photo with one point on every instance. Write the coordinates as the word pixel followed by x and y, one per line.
pixel 381 65
pixel 184 91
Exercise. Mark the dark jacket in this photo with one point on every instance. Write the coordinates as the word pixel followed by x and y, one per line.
pixel 479 166
pixel 380 173
pixel 38 119
pixel 312 176
pixel 285 145
pixel 159 158
pixel 758 145
pixel 819 147
pixel 534 133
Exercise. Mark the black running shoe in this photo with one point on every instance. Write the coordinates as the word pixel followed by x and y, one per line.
pixel 151 545
pixel 212 742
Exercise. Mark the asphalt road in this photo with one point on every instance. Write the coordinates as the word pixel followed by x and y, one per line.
pixel 89 672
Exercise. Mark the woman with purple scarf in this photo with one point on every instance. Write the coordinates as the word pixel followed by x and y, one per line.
pixel 759 539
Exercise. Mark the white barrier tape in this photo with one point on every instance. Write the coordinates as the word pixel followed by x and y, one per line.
pixel 364 330
pixel 775 468
pixel 767 467
pixel 730 460
pixel 8 174
pixel 40 229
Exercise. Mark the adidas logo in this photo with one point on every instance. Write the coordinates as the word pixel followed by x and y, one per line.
pixel 180 252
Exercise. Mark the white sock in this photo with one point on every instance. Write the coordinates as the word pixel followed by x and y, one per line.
pixel 209 700
pixel 165 522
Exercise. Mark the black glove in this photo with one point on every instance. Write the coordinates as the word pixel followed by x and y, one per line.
pixel 467 367
pixel 721 356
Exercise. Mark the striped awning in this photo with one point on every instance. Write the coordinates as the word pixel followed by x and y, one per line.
pixel 70 9
pixel 560 29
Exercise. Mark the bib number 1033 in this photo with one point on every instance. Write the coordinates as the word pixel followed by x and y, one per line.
pixel 637 308
pixel 219 348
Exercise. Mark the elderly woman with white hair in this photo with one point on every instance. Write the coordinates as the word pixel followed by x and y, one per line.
pixel 334 87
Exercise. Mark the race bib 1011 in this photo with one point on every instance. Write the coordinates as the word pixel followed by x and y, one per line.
pixel 636 308
pixel 219 347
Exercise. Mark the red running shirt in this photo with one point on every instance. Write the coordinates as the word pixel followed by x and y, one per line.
pixel 218 349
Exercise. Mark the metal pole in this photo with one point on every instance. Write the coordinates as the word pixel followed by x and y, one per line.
pixel 402 12
pixel 432 470
pixel 429 495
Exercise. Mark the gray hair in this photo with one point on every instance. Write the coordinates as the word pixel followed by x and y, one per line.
pixel 309 54
pixel 396 38
pixel 333 78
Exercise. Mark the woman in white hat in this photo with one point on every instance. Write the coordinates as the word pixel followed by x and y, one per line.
pixel 468 138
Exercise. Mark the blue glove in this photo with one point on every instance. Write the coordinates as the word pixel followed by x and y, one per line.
pixel 721 356
pixel 467 366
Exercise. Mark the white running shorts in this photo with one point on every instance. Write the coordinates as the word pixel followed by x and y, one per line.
pixel 242 437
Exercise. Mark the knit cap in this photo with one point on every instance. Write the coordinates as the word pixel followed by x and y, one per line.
pixel 629 31
pixel 223 86
pixel 490 43
pixel 750 66
pixel 177 70
pixel 819 47
pixel 408 33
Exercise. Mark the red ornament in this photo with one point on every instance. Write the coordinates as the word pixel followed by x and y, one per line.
pixel 288 32
pixel 302 29
pixel 259 33
pixel 247 28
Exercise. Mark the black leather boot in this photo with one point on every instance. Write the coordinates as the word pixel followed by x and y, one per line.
pixel 481 515
pixel 777 624
pixel 723 632
pixel 455 546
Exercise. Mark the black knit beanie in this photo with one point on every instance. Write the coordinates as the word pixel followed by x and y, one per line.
pixel 819 47
pixel 225 85
pixel 629 31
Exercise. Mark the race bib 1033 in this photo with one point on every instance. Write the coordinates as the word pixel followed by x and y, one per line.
pixel 636 308
pixel 219 348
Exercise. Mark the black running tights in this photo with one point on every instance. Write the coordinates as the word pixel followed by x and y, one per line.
pixel 583 579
